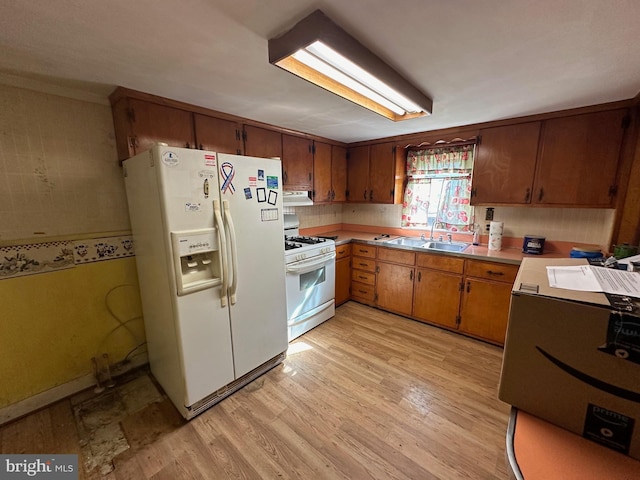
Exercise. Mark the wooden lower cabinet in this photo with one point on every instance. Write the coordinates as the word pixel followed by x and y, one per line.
pixel 436 297
pixel 394 287
pixel 469 296
pixel 343 273
pixel 484 311
pixel 363 273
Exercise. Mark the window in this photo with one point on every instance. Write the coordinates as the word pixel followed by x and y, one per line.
pixel 438 189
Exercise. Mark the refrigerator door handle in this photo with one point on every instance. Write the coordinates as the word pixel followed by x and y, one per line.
pixel 223 250
pixel 234 251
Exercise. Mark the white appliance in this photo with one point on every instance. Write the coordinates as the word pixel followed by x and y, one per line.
pixel 311 270
pixel 208 236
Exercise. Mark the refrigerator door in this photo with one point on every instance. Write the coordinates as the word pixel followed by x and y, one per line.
pixel 189 186
pixel 251 193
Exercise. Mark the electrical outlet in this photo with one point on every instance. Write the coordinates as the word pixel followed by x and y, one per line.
pixel 487 226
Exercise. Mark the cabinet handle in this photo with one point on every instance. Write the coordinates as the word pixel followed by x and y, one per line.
pixel 363 278
pixel 365 194
pixel 468 287
pixel 541 194
pixel 527 196
pixel 284 176
pixel 333 195
pixel 491 272
pixel 363 264
pixel 364 292
pixel 370 194
pixel 411 275
pixel 309 176
pixel 377 269
pixel 329 195
pixel 419 276
pixel 188 145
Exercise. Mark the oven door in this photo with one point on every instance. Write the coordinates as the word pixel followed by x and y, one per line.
pixel 310 286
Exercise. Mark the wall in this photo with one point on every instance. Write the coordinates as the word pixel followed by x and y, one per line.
pixel 579 225
pixel 60 179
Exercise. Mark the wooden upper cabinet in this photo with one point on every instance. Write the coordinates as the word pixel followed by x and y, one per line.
pixel 338 174
pixel 578 161
pixel 261 142
pixel 297 163
pixel 322 173
pixel 382 172
pixel 358 176
pixel 329 173
pixel 217 134
pixel 140 124
pixel 505 164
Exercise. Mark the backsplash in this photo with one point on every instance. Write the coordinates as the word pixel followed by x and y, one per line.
pixel 580 225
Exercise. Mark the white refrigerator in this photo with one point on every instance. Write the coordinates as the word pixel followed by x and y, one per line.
pixel 208 234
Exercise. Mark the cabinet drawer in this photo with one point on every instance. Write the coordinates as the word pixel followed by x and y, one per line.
pixel 364 277
pixel 492 271
pixel 363 250
pixel 441 262
pixel 362 263
pixel 363 291
pixel 343 250
pixel 397 256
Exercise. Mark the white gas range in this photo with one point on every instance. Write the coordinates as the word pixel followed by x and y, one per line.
pixel 310 280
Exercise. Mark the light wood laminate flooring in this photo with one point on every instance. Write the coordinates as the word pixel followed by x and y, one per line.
pixel 367 394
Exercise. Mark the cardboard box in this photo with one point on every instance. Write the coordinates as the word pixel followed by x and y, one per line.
pixel 573 360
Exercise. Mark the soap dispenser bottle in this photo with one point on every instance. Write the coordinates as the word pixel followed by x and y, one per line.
pixel 476 234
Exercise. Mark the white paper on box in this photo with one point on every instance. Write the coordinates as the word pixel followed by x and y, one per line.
pixel 595 279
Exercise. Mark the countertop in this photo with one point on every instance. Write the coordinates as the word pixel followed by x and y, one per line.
pixel 508 255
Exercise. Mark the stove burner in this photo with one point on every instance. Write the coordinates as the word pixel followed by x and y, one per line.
pixel 291 246
pixel 308 240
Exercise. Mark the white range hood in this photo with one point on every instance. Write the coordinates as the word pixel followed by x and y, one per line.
pixel 296 199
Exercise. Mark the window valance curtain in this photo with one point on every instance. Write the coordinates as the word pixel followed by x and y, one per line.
pixel 440 160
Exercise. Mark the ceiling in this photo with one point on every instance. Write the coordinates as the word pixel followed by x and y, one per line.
pixel 479 60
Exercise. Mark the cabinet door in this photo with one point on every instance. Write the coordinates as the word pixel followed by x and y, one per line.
pixel 382 165
pixel 322 173
pixel 485 309
pixel 338 174
pixel 217 134
pixel 297 163
pixel 394 287
pixel 436 297
pixel 260 142
pixel 505 164
pixel 153 123
pixel 358 174
pixel 343 280
pixel 579 159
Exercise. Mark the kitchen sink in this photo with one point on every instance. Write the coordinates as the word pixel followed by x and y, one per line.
pixel 408 241
pixel 446 246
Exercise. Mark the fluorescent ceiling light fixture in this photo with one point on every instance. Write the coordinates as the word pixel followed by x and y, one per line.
pixel 319 51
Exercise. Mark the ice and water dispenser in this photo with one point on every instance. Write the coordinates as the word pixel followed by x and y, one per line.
pixel 196 259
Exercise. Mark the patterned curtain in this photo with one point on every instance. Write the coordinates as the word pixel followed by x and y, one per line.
pixel 440 160
pixel 416 202
pixel 456 213
pixel 454 165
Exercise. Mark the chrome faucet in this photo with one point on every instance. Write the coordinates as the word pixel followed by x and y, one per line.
pixel 422 236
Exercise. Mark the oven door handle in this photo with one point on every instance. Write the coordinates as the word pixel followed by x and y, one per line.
pixel 310 265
